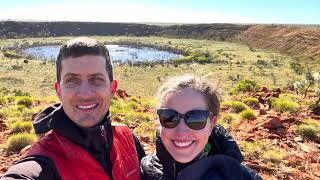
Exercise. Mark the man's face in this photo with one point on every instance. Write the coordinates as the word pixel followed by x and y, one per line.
pixel 85 89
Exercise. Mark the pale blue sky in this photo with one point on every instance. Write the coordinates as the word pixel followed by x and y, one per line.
pixel 171 11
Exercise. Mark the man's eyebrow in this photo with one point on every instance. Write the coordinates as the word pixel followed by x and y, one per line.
pixel 89 75
pixel 71 74
pixel 96 74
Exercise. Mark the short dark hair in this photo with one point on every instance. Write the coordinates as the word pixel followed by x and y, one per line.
pixel 80 47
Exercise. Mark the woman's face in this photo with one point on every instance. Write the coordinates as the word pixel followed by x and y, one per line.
pixel 183 143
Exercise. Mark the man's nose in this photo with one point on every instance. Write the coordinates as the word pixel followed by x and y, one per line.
pixel 85 90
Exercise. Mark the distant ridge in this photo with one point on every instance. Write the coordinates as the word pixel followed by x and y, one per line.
pixel 293 39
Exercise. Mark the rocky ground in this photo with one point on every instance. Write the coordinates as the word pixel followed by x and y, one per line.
pixel 302 156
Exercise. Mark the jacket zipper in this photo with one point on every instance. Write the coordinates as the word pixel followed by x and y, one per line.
pixel 174 171
pixel 104 134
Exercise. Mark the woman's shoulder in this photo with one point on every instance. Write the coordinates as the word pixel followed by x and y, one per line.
pixel 223 143
pixel 216 167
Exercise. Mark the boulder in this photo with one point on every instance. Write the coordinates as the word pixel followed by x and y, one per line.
pixel 144 138
pixel 262 111
pixel 273 122
pixel 122 94
pixel 3 126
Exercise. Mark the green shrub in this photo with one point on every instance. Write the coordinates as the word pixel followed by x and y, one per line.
pixel 137 116
pixel 3 115
pixel 275 156
pixel 18 92
pixel 263 150
pixel 284 105
pixel 132 109
pixel 134 105
pixel 25 101
pixel 185 59
pixel 27 114
pixel 11 54
pixel 228 118
pixel 4 91
pixel 153 135
pixel 246 86
pixel 13 111
pixel 234 106
pixel 296 65
pixel 252 102
pixel 310 129
pixel 223 123
pixel 252 148
pixel 19 127
pixel 145 127
pixel 2 101
pixel 197 56
pixel 20 108
pixel 10 99
pixel 18 141
pixel 248 114
pixel 312 122
pixel 291 97
pixel 50 99
pixel 118 106
pixel 12 120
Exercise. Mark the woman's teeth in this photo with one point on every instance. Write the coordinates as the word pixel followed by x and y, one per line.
pixel 182 143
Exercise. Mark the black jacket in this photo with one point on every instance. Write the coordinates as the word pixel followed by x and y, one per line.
pixel 223 162
pixel 42 167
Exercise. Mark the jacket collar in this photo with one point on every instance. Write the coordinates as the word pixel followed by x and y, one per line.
pixel 54 118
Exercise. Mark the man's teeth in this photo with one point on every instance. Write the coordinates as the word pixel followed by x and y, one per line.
pixel 182 144
pixel 86 106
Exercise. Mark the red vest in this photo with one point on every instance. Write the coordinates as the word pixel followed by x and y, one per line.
pixel 73 162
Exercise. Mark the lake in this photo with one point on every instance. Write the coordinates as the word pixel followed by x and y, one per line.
pixel 118 53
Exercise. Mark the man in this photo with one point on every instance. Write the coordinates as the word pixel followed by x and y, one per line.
pixel 82 144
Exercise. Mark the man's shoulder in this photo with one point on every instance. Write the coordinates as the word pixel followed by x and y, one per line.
pixel 118 124
pixel 121 129
pixel 33 167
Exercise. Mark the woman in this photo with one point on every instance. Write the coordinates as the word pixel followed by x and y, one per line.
pixel 189 144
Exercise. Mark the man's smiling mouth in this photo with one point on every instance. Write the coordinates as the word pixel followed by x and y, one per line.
pixel 86 107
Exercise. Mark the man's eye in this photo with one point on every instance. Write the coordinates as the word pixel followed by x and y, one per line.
pixel 71 81
pixel 97 81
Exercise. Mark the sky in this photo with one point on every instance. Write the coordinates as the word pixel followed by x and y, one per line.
pixel 164 11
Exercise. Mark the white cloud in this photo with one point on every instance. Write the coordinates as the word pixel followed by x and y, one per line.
pixel 113 13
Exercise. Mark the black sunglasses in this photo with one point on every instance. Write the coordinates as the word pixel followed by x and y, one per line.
pixel 195 119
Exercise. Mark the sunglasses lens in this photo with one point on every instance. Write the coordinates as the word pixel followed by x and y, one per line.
pixel 197 119
pixel 168 118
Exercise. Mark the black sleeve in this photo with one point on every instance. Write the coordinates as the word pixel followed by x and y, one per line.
pixel 139 148
pixel 249 173
pixel 32 168
pixel 224 143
